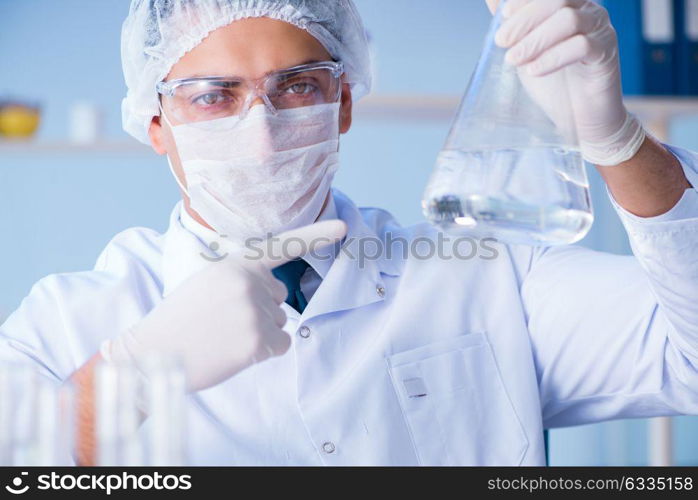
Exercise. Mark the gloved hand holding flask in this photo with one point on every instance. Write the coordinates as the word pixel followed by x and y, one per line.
pixel 547 36
pixel 513 165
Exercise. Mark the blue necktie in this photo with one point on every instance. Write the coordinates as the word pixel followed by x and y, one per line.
pixel 290 274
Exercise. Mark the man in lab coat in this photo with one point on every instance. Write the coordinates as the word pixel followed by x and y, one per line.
pixel 389 360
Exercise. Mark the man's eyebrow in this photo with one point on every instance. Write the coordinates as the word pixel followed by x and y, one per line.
pixel 310 61
pixel 207 75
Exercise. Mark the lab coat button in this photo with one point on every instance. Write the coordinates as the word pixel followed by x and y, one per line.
pixel 380 290
pixel 304 332
pixel 328 447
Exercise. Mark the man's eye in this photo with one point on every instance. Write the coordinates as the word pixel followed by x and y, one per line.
pixel 301 88
pixel 210 99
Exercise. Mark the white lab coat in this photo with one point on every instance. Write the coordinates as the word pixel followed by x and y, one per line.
pixel 410 361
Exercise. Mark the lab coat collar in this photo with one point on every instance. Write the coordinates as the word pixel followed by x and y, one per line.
pixel 185 253
pixel 321 259
pixel 352 282
pixel 374 228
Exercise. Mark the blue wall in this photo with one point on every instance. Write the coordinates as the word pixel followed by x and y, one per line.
pixel 59 210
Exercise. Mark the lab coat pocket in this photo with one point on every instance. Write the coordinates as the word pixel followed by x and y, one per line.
pixel 455 404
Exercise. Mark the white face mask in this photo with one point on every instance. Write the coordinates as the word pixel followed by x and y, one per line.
pixel 262 174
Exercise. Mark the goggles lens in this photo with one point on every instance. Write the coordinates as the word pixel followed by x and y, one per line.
pixel 205 99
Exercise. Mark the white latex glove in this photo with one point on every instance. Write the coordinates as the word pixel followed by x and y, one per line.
pixel 226 317
pixel 547 36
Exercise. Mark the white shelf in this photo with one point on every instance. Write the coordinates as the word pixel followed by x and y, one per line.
pixel 430 106
pixel 410 107
pixel 667 106
pixel 656 112
pixel 59 147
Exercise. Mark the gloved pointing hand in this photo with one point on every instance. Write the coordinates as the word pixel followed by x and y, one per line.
pixel 547 36
pixel 226 317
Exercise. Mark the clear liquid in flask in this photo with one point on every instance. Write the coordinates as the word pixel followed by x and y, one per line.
pixel 487 193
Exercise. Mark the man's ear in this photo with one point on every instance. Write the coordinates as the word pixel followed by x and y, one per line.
pixel 492 5
pixel 155 134
pixel 345 112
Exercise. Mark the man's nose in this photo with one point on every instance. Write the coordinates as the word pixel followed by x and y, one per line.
pixel 256 101
pixel 258 97
pixel 263 144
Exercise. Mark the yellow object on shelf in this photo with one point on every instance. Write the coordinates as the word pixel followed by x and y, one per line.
pixel 18 121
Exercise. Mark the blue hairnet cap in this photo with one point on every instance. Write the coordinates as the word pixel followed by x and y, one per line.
pixel 157 33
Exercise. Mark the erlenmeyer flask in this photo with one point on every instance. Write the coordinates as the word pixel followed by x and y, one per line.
pixel 512 167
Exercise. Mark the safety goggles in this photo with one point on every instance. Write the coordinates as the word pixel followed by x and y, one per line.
pixel 199 100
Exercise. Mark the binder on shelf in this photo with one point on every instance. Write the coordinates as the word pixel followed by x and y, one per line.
pixel 687 46
pixel 647 44
pixel 626 17
pixel 659 46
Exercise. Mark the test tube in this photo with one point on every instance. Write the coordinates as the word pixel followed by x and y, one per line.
pixel 6 407
pixel 118 415
pixel 165 405
pixel 141 413
pixel 35 421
